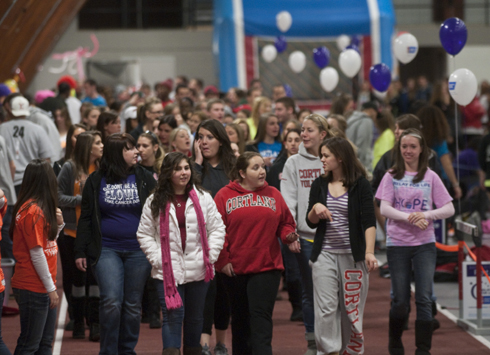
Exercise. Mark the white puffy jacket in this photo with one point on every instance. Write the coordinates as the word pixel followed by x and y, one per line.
pixel 188 266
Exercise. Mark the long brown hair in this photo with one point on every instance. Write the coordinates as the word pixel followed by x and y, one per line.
pixel 352 169
pixel 82 152
pixel 226 156
pixel 160 153
pixel 398 169
pixel 39 185
pixel 69 145
pixel 434 125
pixel 164 192
pixel 262 128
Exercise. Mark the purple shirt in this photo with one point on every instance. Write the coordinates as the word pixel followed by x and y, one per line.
pixel 120 208
pixel 408 197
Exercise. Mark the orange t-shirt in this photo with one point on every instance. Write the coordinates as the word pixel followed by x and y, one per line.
pixel 29 233
pixel 78 209
pixel 2 213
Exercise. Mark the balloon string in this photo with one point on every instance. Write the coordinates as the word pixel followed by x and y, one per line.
pixel 456 125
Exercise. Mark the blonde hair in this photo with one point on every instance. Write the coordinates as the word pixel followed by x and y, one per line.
pixel 258 102
pixel 320 122
pixel 174 133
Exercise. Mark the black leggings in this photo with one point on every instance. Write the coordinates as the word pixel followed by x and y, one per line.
pixel 252 302
pixel 217 305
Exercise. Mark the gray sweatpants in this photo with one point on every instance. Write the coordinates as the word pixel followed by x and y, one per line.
pixel 340 288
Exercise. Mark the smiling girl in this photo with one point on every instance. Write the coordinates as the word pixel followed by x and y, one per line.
pixel 181 233
pixel 408 193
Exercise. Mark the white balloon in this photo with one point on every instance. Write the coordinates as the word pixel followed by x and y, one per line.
pixel 297 61
pixel 342 42
pixel 406 47
pixel 269 53
pixel 350 62
pixel 463 86
pixel 380 95
pixel 284 21
pixel 329 78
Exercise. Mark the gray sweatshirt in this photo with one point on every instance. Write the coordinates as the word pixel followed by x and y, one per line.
pixel 299 173
pixel 360 132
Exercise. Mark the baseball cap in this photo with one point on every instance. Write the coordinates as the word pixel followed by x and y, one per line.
pixel 210 89
pixel 19 106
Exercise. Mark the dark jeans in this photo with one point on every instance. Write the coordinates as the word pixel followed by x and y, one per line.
pixel 290 264
pixel 400 261
pixel 217 305
pixel 6 242
pixel 252 303
pixel 303 259
pixel 3 348
pixel 190 314
pixel 37 322
pixel 121 276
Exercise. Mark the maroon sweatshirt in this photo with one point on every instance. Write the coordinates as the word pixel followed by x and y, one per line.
pixel 254 220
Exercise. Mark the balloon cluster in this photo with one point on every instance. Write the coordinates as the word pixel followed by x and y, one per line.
pixel 462 82
pixel 453 35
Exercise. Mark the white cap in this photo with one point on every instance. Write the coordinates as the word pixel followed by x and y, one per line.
pixel 19 106
pixel 130 112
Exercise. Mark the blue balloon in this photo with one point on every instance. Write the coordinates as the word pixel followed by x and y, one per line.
pixel 453 35
pixel 289 91
pixel 354 47
pixel 321 56
pixel 380 77
pixel 281 44
pixel 355 41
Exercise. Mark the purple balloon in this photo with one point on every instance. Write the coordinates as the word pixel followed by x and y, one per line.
pixel 321 56
pixel 453 35
pixel 281 44
pixel 354 47
pixel 355 41
pixel 380 77
pixel 289 91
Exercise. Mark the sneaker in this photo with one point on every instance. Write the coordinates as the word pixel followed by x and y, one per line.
pixel 94 332
pixel 79 331
pixel 220 349
pixel 205 350
pixel 297 315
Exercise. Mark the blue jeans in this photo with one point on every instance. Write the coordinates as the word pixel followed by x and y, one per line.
pixel 303 259
pixel 290 264
pixel 193 295
pixel 3 348
pixel 121 276
pixel 400 261
pixel 37 322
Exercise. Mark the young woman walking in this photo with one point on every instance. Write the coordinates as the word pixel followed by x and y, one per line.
pixel 342 211
pixel 181 233
pixel 408 193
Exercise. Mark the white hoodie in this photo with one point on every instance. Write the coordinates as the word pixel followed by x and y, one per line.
pixel 299 173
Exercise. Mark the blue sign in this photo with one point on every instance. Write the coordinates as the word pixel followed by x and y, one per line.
pixel 471 269
pixel 412 49
pixel 452 85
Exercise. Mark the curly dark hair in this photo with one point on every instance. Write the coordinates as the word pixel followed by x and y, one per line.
pixel 164 192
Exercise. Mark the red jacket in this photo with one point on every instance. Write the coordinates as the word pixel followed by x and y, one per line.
pixel 254 220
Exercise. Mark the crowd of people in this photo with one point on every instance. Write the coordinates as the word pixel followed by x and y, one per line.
pixel 183 207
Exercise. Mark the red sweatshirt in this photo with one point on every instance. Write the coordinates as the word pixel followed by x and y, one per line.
pixel 254 220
